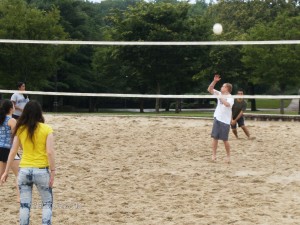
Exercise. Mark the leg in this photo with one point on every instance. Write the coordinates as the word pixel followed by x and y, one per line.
pixel 234 131
pixel 214 149
pixel 41 180
pixel 214 135
pixel 227 147
pixel 225 129
pixel 241 123
pixel 25 187
pixel 15 169
pixel 2 168
pixel 246 131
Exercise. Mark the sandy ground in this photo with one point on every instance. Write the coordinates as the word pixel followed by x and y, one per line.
pixel 150 171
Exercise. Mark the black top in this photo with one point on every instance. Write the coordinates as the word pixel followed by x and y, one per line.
pixel 238 107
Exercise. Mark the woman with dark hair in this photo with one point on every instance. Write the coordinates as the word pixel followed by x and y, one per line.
pixel 37 165
pixel 19 99
pixel 7 125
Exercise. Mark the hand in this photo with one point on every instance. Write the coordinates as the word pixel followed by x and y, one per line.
pixel 233 122
pixel 3 178
pixel 217 78
pixel 51 181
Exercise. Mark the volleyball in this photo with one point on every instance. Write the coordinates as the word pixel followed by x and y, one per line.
pixel 217 29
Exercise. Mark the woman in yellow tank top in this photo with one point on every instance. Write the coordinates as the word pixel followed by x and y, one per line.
pixel 37 165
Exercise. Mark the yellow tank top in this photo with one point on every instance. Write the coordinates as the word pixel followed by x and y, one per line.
pixel 34 152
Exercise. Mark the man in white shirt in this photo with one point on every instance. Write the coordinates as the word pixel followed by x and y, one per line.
pixel 222 116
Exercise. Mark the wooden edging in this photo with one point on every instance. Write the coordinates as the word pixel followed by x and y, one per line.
pixel 271 117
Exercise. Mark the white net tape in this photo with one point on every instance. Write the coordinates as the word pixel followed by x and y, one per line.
pixel 59 42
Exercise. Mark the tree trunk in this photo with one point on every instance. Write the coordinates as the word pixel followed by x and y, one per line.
pixel 167 105
pixel 55 103
pixel 282 91
pixel 141 105
pixel 157 105
pixel 157 100
pixel 91 104
pixel 281 106
pixel 253 102
pixel 178 106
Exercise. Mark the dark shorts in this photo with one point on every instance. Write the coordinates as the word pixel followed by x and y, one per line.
pixel 240 122
pixel 4 152
pixel 15 116
pixel 220 130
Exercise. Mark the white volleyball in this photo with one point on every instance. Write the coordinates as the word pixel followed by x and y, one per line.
pixel 217 29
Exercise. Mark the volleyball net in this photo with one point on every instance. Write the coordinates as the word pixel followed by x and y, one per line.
pixel 158 47
pixel 115 95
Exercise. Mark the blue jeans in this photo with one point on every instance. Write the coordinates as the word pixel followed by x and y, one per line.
pixel 40 177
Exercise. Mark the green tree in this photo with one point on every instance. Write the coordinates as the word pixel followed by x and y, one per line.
pixel 34 64
pixel 160 69
pixel 237 18
pixel 82 20
pixel 278 65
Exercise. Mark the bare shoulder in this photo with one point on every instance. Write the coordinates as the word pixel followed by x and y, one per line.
pixel 12 122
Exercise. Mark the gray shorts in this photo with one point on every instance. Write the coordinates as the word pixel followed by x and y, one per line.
pixel 220 130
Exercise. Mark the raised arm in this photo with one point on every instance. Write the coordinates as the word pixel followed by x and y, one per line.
pixel 210 88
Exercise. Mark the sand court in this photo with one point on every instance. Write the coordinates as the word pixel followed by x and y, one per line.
pixel 149 171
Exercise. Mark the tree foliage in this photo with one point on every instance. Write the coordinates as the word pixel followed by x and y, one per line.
pixel 149 69
pixel 158 69
pixel 34 64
